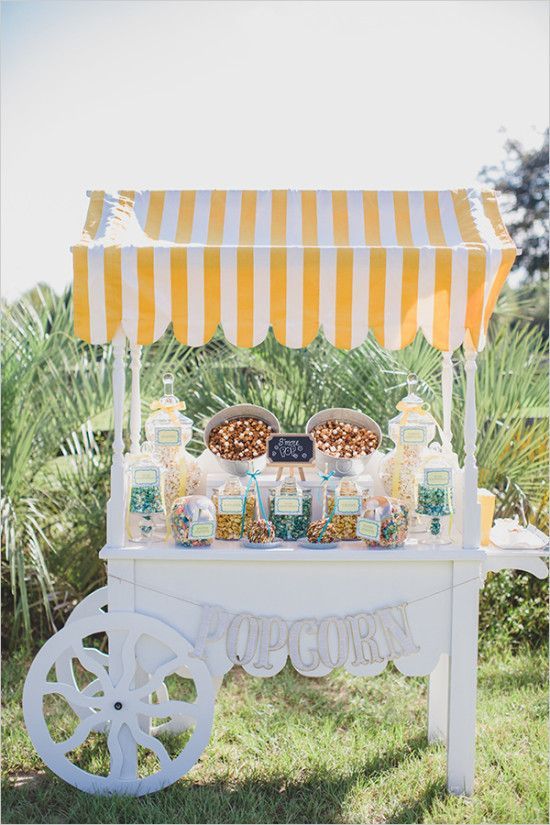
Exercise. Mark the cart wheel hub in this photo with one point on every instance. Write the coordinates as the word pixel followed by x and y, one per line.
pixel 118 705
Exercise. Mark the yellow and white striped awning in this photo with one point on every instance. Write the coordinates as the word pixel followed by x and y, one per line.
pixel 346 261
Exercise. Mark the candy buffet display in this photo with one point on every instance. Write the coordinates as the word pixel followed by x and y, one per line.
pixel 229 500
pixel 434 494
pixel 145 512
pixel 290 509
pixel 383 522
pixel 193 521
pixel 169 431
pixel 345 505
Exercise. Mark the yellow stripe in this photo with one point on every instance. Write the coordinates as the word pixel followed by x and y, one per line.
pixel 377 293
pixel 409 296
pixel 344 295
pixel 476 288
pixel 310 303
pixel 402 219
pixel 277 293
pixel 93 218
pixel 433 219
pixel 186 215
pixel 247 229
pixel 81 298
pixel 466 223
pixel 490 207
pixel 309 219
pixel 340 218
pixel 178 280
pixel 146 297
pixel 216 219
pixel 212 300
pixel 372 218
pixel 442 298
pixel 278 217
pixel 154 214
pixel 112 276
pixel 245 297
pixel 506 263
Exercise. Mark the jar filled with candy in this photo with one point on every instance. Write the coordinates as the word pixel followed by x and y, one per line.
pixel 169 431
pixel 193 521
pixel 228 501
pixel 346 504
pixel 435 495
pixel 412 430
pixel 383 522
pixel 290 509
pixel 145 508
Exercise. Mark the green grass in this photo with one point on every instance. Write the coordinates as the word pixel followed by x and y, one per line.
pixel 337 749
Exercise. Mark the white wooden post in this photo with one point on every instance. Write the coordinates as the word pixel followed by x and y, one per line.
pixel 471 518
pixel 115 505
pixel 135 399
pixel 438 701
pixel 447 396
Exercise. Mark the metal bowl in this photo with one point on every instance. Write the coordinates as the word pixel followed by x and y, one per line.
pixel 343 466
pixel 240 468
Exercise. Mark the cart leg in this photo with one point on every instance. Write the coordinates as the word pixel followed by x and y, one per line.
pixel 461 731
pixel 438 701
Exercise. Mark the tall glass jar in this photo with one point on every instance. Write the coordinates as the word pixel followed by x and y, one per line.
pixel 346 502
pixel 383 522
pixel 169 431
pixel 290 509
pixel 193 521
pixel 412 430
pixel 435 495
pixel 145 507
pixel 228 501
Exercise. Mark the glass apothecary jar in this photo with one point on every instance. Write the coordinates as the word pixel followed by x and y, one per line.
pixel 169 431
pixel 435 495
pixel 193 521
pixel 345 504
pixel 384 522
pixel 412 430
pixel 228 501
pixel 145 507
pixel 290 509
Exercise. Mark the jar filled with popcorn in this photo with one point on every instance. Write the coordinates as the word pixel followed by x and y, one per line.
pixel 229 500
pixel 412 430
pixel 290 509
pixel 345 503
pixel 169 431
pixel 145 507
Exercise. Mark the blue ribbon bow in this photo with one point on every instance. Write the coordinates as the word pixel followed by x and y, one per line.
pixel 253 477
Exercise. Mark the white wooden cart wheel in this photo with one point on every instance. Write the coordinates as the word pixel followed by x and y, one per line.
pixel 118 702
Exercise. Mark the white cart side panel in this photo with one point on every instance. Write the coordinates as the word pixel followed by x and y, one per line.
pixel 297 590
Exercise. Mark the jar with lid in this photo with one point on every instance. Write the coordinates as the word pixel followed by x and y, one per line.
pixel 383 522
pixel 145 507
pixel 193 521
pixel 345 504
pixel 169 431
pixel 435 494
pixel 290 509
pixel 229 500
pixel 412 430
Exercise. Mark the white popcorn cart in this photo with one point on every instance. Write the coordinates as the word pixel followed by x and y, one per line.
pixel 347 262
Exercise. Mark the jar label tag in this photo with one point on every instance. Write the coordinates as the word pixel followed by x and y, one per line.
pixel 168 436
pixel 201 530
pixel 413 435
pixel 438 478
pixel 230 504
pixel 145 477
pixel 368 528
pixel 288 505
pixel 348 505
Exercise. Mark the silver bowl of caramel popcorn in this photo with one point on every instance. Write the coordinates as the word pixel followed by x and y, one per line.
pixel 344 440
pixel 238 435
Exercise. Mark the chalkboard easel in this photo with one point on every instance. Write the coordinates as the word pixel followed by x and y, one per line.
pixel 290 451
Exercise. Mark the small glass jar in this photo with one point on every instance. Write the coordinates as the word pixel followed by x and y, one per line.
pixel 193 521
pixel 169 431
pixel 435 495
pixel 145 507
pixel 346 504
pixel 384 522
pixel 228 501
pixel 290 509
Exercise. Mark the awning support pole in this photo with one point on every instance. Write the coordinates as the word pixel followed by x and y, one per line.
pixel 115 505
pixel 471 530
pixel 135 400
pixel 447 396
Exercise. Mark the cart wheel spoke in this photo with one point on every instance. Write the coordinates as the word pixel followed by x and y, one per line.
pixel 115 751
pixel 90 664
pixel 74 696
pixel 156 680
pixel 82 731
pixel 150 743
pixel 97 655
pixel 91 689
pixel 129 662
pixel 173 707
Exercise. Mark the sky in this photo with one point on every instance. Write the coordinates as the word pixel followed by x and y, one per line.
pixel 147 94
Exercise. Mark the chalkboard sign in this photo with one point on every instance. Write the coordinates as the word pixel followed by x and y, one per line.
pixel 290 449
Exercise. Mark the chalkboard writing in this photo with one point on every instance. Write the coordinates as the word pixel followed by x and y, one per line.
pixel 290 449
